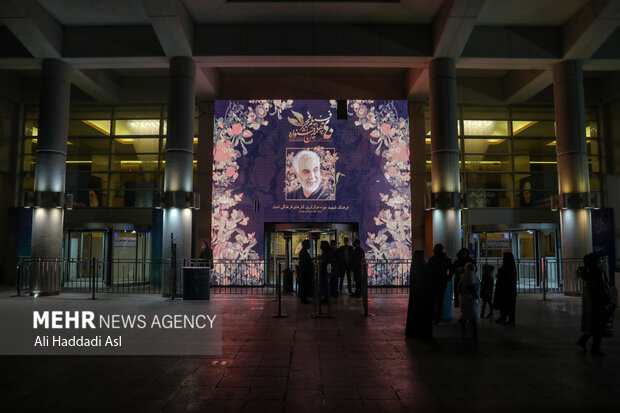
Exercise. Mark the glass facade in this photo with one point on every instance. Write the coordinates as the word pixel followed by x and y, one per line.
pixel 508 155
pixel 115 155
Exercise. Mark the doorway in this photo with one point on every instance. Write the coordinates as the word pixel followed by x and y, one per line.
pixel 283 243
pixel 123 257
pixel 535 250
pixel 81 247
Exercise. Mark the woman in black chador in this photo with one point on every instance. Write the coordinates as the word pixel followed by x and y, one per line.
pixel 506 290
pixel 326 265
pixel 420 311
pixel 486 289
pixel 597 307
pixel 305 272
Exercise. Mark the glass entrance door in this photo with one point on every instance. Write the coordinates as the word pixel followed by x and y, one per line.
pixel 277 236
pixel 535 253
pixel 131 258
pixel 80 249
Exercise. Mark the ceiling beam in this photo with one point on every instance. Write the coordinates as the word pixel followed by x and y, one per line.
pixel 155 62
pixel 588 29
pixel 522 85
pixel 172 24
pixel 453 25
pixel 582 36
pixel 309 85
pixel 416 84
pixel 207 83
pixel 42 35
pixel 33 26
pixel 101 85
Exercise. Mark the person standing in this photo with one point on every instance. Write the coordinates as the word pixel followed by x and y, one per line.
pixel 597 306
pixel 506 290
pixel 206 253
pixel 326 264
pixel 462 258
pixel 345 260
pixel 358 262
pixel 469 291
pixel 206 260
pixel 440 269
pixel 305 272
pixel 420 310
pixel 486 290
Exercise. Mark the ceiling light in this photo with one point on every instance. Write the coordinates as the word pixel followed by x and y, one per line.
pixel 145 126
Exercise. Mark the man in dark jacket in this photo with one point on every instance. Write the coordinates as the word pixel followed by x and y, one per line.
pixel 440 269
pixel 357 263
pixel 345 260
pixel 305 272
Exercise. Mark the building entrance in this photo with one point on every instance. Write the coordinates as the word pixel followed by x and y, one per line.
pixel 81 247
pixel 535 249
pixel 120 256
pixel 283 244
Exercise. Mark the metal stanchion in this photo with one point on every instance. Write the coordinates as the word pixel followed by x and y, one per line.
pixel 92 277
pixel 317 297
pixel 173 268
pixel 364 280
pixel 329 293
pixel 276 269
pixel 317 292
pixel 19 278
pixel 279 293
pixel 544 281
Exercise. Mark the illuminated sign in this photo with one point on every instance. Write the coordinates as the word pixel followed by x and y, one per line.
pixel 294 161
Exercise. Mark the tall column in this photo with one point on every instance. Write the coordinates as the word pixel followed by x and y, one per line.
pixel 417 162
pixel 445 155
pixel 178 178
pixel 49 182
pixel 205 172
pixel 573 175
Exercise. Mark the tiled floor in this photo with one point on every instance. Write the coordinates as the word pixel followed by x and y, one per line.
pixel 349 363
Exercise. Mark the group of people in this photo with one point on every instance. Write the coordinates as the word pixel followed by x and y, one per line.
pixel 344 261
pixel 431 292
pixel 430 282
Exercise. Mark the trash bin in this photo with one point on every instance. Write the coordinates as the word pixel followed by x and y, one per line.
pixel 196 283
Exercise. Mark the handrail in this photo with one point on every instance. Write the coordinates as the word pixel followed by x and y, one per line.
pixel 247 276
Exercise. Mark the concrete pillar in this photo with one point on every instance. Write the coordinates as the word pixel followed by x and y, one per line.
pixel 417 161
pixel 205 173
pixel 445 155
pixel 573 175
pixel 49 182
pixel 178 178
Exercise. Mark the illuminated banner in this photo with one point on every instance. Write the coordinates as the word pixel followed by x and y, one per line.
pixel 294 161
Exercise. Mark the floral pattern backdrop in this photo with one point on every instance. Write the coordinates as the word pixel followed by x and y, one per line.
pixel 251 172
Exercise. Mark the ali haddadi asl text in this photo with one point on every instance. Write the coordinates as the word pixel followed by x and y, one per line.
pixel 78 341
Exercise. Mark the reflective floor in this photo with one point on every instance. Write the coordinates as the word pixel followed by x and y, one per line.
pixel 349 363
